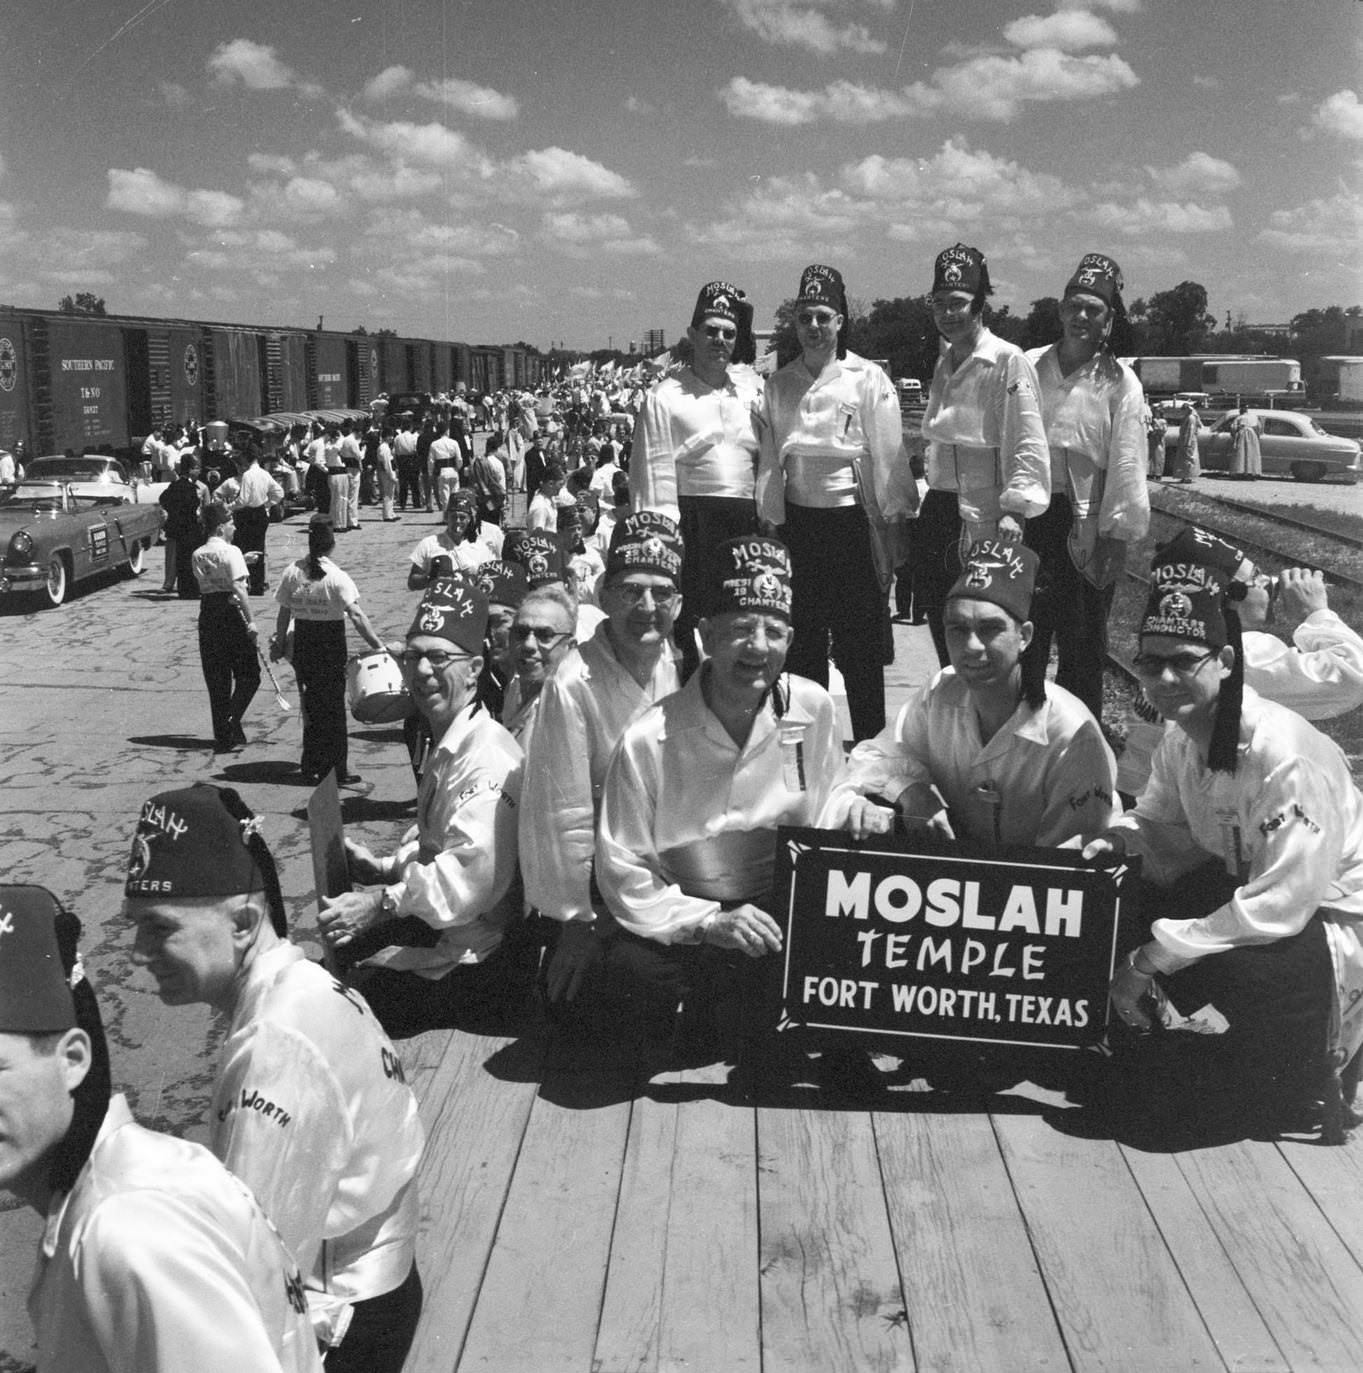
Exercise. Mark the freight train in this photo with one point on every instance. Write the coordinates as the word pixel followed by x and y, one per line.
pixel 99 383
pixel 1219 375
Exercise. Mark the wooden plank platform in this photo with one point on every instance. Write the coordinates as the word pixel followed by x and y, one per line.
pixel 586 1216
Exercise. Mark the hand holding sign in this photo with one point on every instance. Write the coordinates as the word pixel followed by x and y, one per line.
pixel 747 928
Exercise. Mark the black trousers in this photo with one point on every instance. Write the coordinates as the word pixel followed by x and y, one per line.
pixel 231 667
pixel 409 480
pixel 381 1331
pixel 706 521
pixel 935 561
pixel 837 606
pixel 1068 608
pixel 319 662
pixel 252 521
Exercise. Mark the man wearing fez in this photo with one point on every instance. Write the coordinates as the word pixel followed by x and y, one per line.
pixel 1092 405
pixel 609 680
pixel 154 1256
pixel 310 1108
pixel 988 466
pixel 429 934
pixel 504 584
pixel 832 469
pixel 694 794
pixel 695 444
pixel 985 751
pixel 1251 827
pixel 541 554
pixel 542 634
pixel 458 547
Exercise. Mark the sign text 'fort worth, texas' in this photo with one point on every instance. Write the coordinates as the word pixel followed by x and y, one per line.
pixel 945 941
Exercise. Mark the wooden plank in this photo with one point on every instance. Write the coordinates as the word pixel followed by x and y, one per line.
pixel 1334 1177
pixel 540 1300
pixel 974 1295
pixel 474 1124
pixel 627 1338
pixel 1233 1321
pixel 1302 1277
pixel 710 1316
pixel 1117 1293
pixel 831 1296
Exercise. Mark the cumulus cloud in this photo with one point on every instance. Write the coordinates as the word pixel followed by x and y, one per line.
pixel 1145 216
pixel 264 253
pixel 789 24
pixel 581 235
pixel 1066 31
pixel 560 176
pixel 88 253
pixel 990 87
pixel 257 67
pixel 1198 173
pixel 409 229
pixel 142 192
pixel 1330 226
pixel 432 145
pixel 389 82
pixel 1340 114
pixel 470 98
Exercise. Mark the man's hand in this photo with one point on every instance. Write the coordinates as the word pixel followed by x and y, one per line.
pixel 746 928
pixel 923 811
pixel 1300 592
pixel 1010 529
pixel 1105 849
pixel 1135 995
pixel 865 818
pixel 364 866
pixel 345 916
pixel 578 951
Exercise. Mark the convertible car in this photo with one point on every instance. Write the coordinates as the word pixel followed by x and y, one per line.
pixel 94 475
pixel 54 535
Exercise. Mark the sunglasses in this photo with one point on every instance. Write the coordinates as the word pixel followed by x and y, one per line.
pixel 724 332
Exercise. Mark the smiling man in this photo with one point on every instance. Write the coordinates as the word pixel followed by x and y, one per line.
pixel 695 444
pixel 308 1108
pixel 983 751
pixel 832 461
pixel 611 678
pixel 430 933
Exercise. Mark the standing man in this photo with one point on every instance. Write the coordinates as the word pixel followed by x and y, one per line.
pixel 259 491
pixel 310 1108
pixel 988 467
pixel 154 1256
pixel 832 465
pixel 445 458
pixel 352 458
pixel 182 501
pixel 409 473
pixel 227 629
pixel 1092 407
pixel 695 447
pixel 613 676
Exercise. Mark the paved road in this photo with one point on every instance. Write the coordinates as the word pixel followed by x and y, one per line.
pixel 102 704
pixel 1285 491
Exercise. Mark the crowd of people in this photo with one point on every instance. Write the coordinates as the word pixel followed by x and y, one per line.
pixel 615 708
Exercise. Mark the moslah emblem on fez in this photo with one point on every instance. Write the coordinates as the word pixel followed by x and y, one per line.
pixel 140 858
pixel 1176 606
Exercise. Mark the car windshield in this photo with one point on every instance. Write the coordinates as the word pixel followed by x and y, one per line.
pixel 76 469
pixel 32 496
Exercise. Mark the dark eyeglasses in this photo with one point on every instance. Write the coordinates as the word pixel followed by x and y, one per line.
pixel 1153 665
pixel 822 318
pixel 545 638
pixel 634 593
pixel 437 661
pixel 721 331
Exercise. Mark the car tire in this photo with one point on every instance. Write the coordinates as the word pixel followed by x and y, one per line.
pixel 1308 471
pixel 54 588
pixel 137 560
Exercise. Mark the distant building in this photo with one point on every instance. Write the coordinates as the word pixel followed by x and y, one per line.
pixel 654 342
pixel 1276 330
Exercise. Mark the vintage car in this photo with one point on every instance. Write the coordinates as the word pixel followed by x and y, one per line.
pixel 94 475
pixel 1290 444
pixel 52 535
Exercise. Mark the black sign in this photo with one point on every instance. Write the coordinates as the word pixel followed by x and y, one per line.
pixel 946 941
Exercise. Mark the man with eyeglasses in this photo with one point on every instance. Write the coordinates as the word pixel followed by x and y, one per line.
pixel 541 635
pixel 1251 831
pixel 428 935
pixel 985 751
pixel 695 444
pixel 610 679
pixel 831 469
pixel 988 464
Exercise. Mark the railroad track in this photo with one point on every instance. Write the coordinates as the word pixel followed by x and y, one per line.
pixel 1287 521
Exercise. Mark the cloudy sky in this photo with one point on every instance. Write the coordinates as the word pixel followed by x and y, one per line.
pixel 494 170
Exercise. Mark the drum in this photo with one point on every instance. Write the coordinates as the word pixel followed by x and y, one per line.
pixel 375 691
